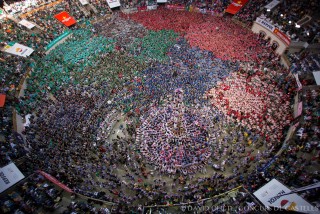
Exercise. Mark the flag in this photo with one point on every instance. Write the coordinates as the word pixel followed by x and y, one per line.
pixel 65 18
pixel 235 6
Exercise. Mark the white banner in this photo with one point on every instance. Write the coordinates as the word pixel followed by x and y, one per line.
pixel 298 81
pixel 272 4
pixel 18 49
pixel 271 196
pixel 316 75
pixel 26 23
pixel 84 2
pixel 113 3
pixel 265 24
pixel 152 7
pixel 161 1
pixel 9 175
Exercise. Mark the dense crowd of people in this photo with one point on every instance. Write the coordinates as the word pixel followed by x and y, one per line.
pixel 285 16
pixel 132 113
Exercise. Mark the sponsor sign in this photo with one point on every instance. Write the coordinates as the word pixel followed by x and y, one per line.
pixel 235 6
pixel 9 175
pixel 272 4
pixel 26 23
pixel 273 195
pixel 65 18
pixel 265 24
pixel 282 36
pixel 113 3
pixel 18 49
pixel 84 2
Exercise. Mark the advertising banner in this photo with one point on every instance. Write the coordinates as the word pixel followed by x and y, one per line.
pixel 26 23
pixel 65 18
pixel 235 6
pixel 282 36
pixel 113 3
pixel 265 24
pixel 9 175
pixel 273 195
pixel 18 49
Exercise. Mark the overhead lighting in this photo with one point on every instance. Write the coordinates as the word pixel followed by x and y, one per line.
pixel 281 15
pixel 297 26
pixel 289 22
pixel 268 10
pixel 308 34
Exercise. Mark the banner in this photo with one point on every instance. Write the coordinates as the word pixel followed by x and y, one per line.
pixel 235 6
pixel 2 100
pixel 316 75
pixel 9 175
pixel 265 24
pixel 273 195
pixel 152 7
pixel 272 4
pixel 18 49
pixel 282 36
pixel 26 23
pixel 113 3
pixel 299 110
pixel 298 81
pixel 58 39
pixel 175 7
pixel 84 2
pixel 55 181
pixel 65 18
pixel 161 1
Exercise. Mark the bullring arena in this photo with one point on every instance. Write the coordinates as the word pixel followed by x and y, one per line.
pixel 159 107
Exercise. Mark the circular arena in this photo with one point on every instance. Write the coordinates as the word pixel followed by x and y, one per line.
pixel 159 106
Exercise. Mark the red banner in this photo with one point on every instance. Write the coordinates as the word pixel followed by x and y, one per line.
pixel 175 7
pixel 2 100
pixel 65 18
pixel 55 181
pixel 282 36
pixel 235 6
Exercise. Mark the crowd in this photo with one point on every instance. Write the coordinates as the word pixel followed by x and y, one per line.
pixel 175 138
pixel 33 194
pixel 80 92
pixel 285 16
pixel 307 135
pixel 304 63
pixel 16 7
pixel 256 104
